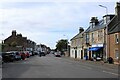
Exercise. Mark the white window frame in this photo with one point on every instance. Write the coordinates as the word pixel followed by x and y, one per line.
pixel 116 54
pixel 116 38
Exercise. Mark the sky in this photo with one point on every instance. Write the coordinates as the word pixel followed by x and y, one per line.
pixel 47 21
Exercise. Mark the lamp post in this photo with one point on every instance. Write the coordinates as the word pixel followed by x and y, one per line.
pixel 105 33
pixel 1 43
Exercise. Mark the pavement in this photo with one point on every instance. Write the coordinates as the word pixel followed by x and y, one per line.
pixel 97 63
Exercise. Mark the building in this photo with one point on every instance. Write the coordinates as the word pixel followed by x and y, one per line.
pixel 76 45
pixel 113 37
pixel 42 48
pixel 94 38
pixel 17 42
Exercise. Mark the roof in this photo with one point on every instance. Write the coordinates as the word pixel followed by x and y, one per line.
pixel 100 25
pixel 79 35
pixel 115 28
pixel 114 25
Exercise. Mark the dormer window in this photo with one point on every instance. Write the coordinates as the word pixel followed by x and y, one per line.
pixel 94 21
pixel 92 25
pixel 106 19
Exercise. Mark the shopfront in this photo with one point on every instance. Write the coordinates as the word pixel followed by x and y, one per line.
pixel 97 51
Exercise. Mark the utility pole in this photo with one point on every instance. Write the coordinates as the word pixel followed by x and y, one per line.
pixel 105 34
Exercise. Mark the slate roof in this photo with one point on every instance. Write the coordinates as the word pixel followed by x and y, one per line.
pixel 100 25
pixel 115 28
pixel 79 35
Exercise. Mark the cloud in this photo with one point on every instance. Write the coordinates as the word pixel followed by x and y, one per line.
pixel 47 22
pixel 58 0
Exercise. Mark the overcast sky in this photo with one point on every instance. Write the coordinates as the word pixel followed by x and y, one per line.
pixel 47 21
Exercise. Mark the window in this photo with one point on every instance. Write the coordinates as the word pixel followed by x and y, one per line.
pixel 92 25
pixel 92 37
pixel 87 38
pixel 116 54
pixel 116 39
pixel 100 35
pixel 106 19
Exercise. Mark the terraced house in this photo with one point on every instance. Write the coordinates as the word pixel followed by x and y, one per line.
pixel 113 37
pixel 76 50
pixel 94 45
pixel 17 42
pixel 100 40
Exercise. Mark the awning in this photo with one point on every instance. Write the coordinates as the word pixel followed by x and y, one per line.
pixel 94 48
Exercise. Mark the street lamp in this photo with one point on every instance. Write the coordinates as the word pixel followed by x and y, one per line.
pixel 1 42
pixel 105 33
pixel 105 8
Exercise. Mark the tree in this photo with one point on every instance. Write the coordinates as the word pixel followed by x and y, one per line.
pixel 62 45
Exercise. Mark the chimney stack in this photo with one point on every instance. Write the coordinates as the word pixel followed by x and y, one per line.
pixel 117 10
pixel 94 20
pixel 81 29
pixel 14 33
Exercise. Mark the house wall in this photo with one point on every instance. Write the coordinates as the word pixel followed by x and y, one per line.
pixel 72 52
pixel 79 53
pixel 98 38
pixel 21 43
pixel 113 46
pixel 76 46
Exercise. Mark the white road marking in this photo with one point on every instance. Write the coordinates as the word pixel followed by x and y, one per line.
pixel 110 73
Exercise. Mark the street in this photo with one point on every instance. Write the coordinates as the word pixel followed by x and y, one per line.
pixel 50 66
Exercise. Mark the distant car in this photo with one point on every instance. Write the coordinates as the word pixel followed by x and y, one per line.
pixel 57 54
pixel 36 52
pixel 42 53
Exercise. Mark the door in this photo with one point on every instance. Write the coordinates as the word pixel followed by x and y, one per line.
pixel 75 53
pixel 81 54
pixel 89 55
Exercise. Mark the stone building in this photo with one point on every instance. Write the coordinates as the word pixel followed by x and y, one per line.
pixel 16 42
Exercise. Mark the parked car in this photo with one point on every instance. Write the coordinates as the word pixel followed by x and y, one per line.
pixel 8 57
pixel 36 52
pixel 98 59
pixel 57 54
pixel 23 56
pixel 42 53
pixel 27 54
pixel 1 61
pixel 16 54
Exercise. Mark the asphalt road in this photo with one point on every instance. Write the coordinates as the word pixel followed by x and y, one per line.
pixel 56 67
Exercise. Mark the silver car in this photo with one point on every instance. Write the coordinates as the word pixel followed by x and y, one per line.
pixel 57 54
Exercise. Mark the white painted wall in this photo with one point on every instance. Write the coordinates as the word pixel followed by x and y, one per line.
pixel 72 52
pixel 78 53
